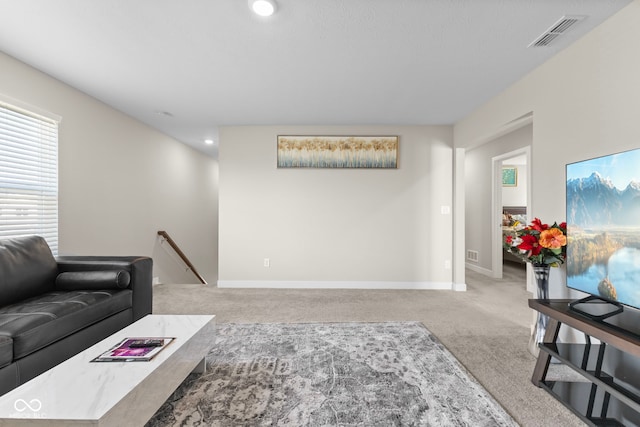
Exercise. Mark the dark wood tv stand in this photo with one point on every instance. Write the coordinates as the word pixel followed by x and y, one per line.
pixel 610 392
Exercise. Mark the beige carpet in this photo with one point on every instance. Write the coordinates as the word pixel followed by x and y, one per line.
pixel 486 328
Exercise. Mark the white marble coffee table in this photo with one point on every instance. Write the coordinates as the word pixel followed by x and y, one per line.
pixel 80 393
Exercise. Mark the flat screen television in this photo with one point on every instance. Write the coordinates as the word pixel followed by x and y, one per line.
pixel 603 232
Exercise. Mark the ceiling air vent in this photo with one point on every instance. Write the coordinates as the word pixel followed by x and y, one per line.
pixel 556 30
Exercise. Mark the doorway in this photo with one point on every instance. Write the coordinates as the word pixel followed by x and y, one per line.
pixel 478 195
pixel 511 201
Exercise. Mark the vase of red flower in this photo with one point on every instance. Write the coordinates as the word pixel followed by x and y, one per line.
pixel 544 247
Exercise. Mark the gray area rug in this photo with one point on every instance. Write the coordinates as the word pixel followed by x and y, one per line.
pixel 330 374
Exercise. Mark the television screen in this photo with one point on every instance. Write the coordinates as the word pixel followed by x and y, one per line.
pixel 603 227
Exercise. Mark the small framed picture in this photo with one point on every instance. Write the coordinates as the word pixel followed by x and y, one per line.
pixel 509 176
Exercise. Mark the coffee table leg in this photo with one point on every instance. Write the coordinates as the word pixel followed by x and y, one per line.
pixel 201 367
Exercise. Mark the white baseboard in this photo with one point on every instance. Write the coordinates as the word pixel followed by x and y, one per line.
pixel 459 287
pixel 294 284
pixel 479 269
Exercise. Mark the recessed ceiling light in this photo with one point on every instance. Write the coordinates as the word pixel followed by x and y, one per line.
pixel 164 113
pixel 208 141
pixel 263 7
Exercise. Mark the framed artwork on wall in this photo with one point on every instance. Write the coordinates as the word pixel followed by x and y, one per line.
pixel 368 152
pixel 509 176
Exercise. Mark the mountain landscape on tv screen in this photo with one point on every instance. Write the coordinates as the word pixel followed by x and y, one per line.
pixel 603 227
pixel 596 202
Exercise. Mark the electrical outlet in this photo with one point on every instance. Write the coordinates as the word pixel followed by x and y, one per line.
pixel 447 264
pixel 267 262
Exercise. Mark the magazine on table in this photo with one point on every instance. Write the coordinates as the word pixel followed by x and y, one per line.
pixel 134 349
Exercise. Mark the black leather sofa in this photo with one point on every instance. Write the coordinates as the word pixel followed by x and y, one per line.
pixel 53 308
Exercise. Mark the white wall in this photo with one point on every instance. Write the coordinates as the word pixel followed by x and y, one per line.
pixel 516 196
pixel 585 103
pixel 335 227
pixel 121 181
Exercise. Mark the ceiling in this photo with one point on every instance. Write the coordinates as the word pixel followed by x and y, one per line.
pixel 187 67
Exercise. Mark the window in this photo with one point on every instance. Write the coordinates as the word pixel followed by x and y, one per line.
pixel 28 174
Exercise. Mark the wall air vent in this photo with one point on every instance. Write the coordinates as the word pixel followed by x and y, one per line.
pixel 556 30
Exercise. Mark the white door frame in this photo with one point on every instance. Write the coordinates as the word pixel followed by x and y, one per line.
pixel 496 203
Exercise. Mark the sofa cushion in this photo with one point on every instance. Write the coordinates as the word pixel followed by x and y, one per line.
pixel 28 268
pixel 6 351
pixel 95 280
pixel 40 321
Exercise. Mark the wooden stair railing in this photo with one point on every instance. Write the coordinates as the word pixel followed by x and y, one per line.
pixel 182 256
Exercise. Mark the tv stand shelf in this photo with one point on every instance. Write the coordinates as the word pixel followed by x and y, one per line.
pixel 604 396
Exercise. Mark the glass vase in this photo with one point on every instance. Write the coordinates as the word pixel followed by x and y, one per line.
pixel 541 273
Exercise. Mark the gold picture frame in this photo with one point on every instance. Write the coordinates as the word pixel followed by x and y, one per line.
pixel 337 152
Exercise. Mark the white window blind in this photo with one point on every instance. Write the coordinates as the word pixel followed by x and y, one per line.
pixel 28 175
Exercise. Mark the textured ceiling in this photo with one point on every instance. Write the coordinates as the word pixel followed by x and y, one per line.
pixel 212 63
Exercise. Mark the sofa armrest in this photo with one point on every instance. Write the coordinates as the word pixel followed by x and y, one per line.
pixel 94 280
pixel 140 269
